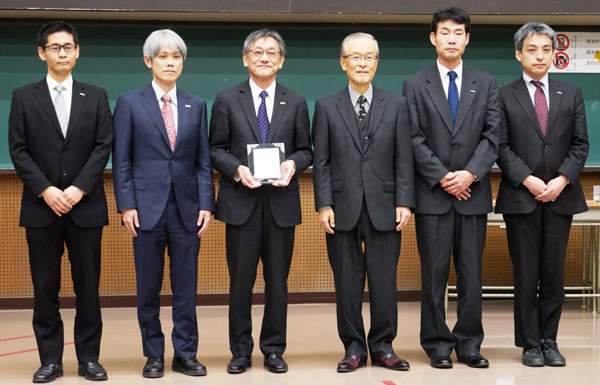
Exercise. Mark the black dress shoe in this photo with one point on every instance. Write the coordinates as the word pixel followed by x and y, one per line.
pixel 350 364
pixel 391 362
pixel 275 363
pixel 48 373
pixel 474 360
pixel 533 357
pixel 188 366
pixel 443 361
pixel 154 368
pixel 551 354
pixel 239 364
pixel 92 371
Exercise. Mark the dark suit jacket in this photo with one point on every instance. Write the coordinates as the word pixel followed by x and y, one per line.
pixel 441 147
pixel 344 172
pixel 233 125
pixel 144 167
pixel 43 157
pixel 524 150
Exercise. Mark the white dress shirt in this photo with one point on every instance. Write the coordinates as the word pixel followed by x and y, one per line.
pixel 269 100
pixel 446 78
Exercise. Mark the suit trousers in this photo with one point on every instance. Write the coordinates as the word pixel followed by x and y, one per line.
pixel 537 243
pixel 183 247
pixel 46 247
pixel 350 265
pixel 439 237
pixel 259 238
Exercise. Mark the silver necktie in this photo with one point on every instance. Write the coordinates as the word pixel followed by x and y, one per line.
pixel 61 109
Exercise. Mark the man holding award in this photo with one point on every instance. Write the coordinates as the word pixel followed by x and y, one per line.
pixel 259 142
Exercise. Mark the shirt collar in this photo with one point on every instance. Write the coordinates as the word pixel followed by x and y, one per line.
pixel 444 71
pixel 160 92
pixel 67 83
pixel 354 95
pixel 256 90
pixel 544 80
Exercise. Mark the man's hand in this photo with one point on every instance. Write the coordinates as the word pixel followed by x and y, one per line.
pixel 203 220
pixel 535 185
pixel 288 168
pixel 246 177
pixel 327 220
pixel 56 199
pixel 553 189
pixel 402 216
pixel 458 184
pixel 130 220
pixel 73 195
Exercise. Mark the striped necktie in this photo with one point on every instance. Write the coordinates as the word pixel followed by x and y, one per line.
pixel 61 109
pixel 541 106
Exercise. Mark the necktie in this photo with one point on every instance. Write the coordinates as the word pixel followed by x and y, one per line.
pixel 453 95
pixel 263 118
pixel 541 107
pixel 362 112
pixel 61 109
pixel 167 114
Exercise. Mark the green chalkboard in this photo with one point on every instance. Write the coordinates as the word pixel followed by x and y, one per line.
pixel 111 57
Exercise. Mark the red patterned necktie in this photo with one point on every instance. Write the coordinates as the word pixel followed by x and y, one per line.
pixel 167 114
pixel 541 106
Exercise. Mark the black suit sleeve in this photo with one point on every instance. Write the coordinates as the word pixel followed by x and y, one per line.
pixel 574 162
pixel 403 160
pixel 33 178
pixel 302 152
pixel 219 139
pixel 96 163
pixel 321 159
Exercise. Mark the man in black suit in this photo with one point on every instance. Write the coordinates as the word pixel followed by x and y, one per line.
pixel 260 219
pixel 165 194
pixel 364 189
pixel 59 134
pixel 455 117
pixel 543 148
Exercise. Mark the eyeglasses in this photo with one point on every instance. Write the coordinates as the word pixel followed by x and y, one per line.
pixel 57 47
pixel 256 54
pixel 356 58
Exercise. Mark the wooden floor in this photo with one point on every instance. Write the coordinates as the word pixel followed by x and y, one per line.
pixel 313 350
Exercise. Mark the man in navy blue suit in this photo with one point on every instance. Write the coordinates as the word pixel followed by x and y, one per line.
pixel 165 194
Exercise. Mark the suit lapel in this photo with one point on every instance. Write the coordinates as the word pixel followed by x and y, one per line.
pixel 555 104
pixel 42 93
pixel 375 114
pixel 348 114
pixel 279 105
pixel 521 94
pixel 77 101
pixel 183 114
pixel 468 90
pixel 435 89
pixel 247 104
pixel 150 103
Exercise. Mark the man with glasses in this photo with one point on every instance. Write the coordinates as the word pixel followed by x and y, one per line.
pixel 363 181
pixel 260 218
pixel 59 135
pixel 455 120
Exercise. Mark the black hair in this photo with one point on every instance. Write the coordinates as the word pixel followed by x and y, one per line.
pixel 457 15
pixel 53 27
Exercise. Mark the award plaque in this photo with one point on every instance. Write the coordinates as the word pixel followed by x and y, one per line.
pixel 264 161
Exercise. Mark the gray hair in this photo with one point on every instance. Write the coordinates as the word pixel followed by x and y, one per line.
pixel 357 35
pixel 164 38
pixel 264 33
pixel 534 28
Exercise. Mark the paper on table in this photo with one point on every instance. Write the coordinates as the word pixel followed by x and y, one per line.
pixel 266 163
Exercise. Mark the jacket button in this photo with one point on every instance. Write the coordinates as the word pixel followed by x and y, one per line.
pixel 64 151
pixel 360 182
pixel 456 146
pixel 364 161
pixel 168 181
pixel 172 161
pixel 64 173
pixel 545 146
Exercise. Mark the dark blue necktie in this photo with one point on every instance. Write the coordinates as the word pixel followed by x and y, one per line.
pixel 263 119
pixel 453 95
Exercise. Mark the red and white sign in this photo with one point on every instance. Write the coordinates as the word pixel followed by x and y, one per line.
pixel 577 52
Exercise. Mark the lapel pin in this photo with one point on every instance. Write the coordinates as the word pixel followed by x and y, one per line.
pixel 558 92
pixel 473 91
pixel 281 102
pixel 82 94
pixel 188 106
